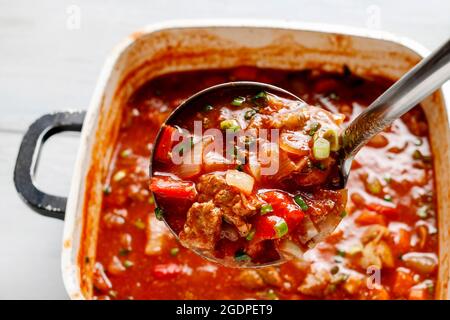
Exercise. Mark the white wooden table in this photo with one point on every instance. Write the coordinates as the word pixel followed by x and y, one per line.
pixel 50 58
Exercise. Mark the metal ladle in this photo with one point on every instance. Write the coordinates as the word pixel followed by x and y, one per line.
pixel 422 80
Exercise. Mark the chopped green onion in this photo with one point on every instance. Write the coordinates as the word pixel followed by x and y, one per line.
pixel 314 126
pixel 119 175
pixel 343 214
pixel 417 155
pixel 240 167
pixel 320 166
pixel 251 235
pixel 249 114
pixel 128 264
pixel 159 213
pixel 241 256
pixel 374 186
pixel 262 94
pixel 321 149
pixel 334 270
pixel 231 125
pixel 174 251
pixel 388 198
pixel 126 153
pixel 418 142
pixel 238 101
pixel 387 178
pixel 333 96
pixel 280 227
pixel 333 137
pixel 272 295
pixel 139 224
pixel 331 288
pixel 107 189
pixel 341 277
pixel 208 108
pixel 266 208
pixel 124 252
pixel 422 212
pixel 340 253
pixel 430 288
pixel 301 202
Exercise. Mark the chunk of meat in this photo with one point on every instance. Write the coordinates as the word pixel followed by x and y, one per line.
pixel 234 205
pixel 202 227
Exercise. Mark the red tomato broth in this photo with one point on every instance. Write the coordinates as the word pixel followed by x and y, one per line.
pixel 183 275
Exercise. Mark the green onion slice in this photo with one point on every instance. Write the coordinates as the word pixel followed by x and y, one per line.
pixel 208 108
pixel 174 251
pixel 241 256
pixel 280 227
pixel 249 114
pixel 128 264
pixel 321 149
pixel 119 175
pixel 333 137
pixel 126 153
pixel 313 128
pixel 251 235
pixel 266 208
pixel 262 94
pixel 238 101
pixel 159 213
pixel 230 124
pixel 139 224
pixel 301 202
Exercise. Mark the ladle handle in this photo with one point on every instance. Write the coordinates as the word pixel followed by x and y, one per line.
pixel 426 77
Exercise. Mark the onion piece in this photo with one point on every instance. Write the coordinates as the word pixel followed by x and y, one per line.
pixel 240 180
pixel 254 167
pixel 295 142
pixel 289 249
pixel 191 163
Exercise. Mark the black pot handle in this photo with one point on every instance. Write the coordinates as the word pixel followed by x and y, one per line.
pixel 27 159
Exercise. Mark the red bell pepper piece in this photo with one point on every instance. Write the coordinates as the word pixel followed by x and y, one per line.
pixel 170 188
pixel 164 147
pixel 283 207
